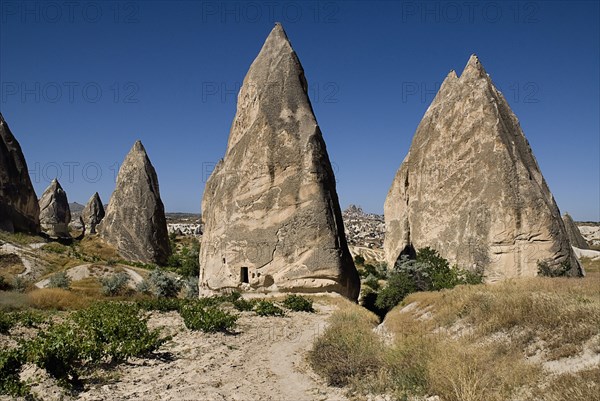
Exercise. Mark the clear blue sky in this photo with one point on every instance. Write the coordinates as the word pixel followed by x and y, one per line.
pixel 80 82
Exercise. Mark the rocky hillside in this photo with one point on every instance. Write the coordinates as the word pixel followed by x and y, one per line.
pixel 363 229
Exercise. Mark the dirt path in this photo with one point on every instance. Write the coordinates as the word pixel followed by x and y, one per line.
pixel 264 361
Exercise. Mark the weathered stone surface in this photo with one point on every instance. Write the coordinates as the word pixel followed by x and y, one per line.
pixel 55 214
pixel 93 213
pixel 575 237
pixel 471 188
pixel 272 221
pixel 19 210
pixel 135 221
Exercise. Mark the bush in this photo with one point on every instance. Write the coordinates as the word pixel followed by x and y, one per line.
pixel 298 303
pixel 191 288
pixel 429 272
pixel 11 362
pixel 160 304
pixel 243 305
pixel 6 323
pixel 19 284
pixel 115 284
pixel 372 282
pixel 163 285
pixel 60 280
pixel 144 287
pixel 116 331
pixel 545 270
pixel 4 285
pixel 348 348
pixel 208 319
pixel 399 285
pixel 267 308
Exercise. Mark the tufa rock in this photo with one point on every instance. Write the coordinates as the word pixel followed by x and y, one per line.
pixel 471 188
pixel 135 222
pixel 19 210
pixel 575 237
pixel 55 214
pixel 272 221
pixel 93 213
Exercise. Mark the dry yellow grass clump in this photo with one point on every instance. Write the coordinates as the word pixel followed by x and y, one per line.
pixel 512 340
pixel 57 299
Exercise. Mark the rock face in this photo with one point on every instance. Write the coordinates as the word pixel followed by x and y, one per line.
pixel 55 214
pixel 575 237
pixel 19 210
pixel 93 213
pixel 471 188
pixel 135 221
pixel 272 221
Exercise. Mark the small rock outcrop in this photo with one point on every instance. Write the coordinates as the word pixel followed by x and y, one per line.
pixel 93 213
pixel 135 222
pixel 573 233
pixel 19 210
pixel 272 220
pixel 471 188
pixel 55 214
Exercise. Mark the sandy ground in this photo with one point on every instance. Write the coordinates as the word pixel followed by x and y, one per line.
pixel 26 253
pixel 264 360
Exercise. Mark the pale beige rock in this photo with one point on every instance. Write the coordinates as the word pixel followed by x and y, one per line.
pixel 573 233
pixel 272 220
pixel 135 222
pixel 471 188
pixel 93 213
pixel 55 214
pixel 19 209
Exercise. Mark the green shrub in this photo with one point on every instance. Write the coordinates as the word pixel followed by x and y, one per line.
pixel 19 284
pixel 144 287
pixel 163 285
pixel 116 331
pixel 545 270
pixel 191 288
pixel 399 285
pixel 114 284
pixel 298 303
pixel 11 361
pixel 6 323
pixel 359 260
pixel 243 305
pixel 208 319
pixel 429 272
pixel 60 280
pixel 268 308
pixel 372 282
pixel 160 304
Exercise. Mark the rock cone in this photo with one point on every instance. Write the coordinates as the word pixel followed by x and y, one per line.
pixel 575 237
pixel 272 221
pixel 471 188
pixel 19 210
pixel 55 214
pixel 93 213
pixel 135 222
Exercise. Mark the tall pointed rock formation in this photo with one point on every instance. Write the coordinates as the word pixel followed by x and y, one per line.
pixel 135 222
pixel 19 210
pixel 55 213
pixel 575 237
pixel 471 188
pixel 93 213
pixel 272 220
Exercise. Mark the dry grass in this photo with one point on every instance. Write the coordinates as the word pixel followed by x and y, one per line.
pixel 10 301
pixel 591 266
pixel 472 343
pixel 10 266
pixel 583 386
pixel 19 238
pixel 57 299
pixel 94 246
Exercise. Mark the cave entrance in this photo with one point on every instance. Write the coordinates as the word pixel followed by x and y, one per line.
pixel 244 275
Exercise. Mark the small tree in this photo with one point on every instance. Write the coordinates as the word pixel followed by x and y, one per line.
pixel 163 285
pixel 115 284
